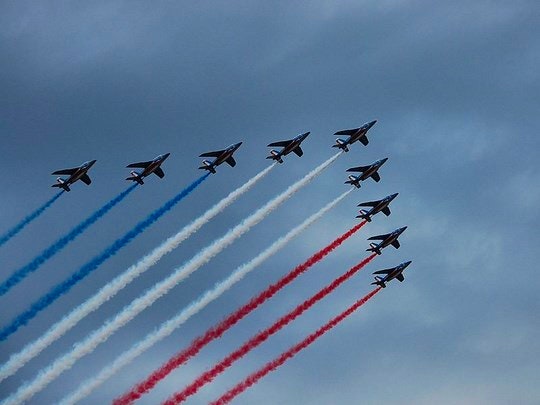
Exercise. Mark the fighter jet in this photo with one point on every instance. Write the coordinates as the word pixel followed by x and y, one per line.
pixel 77 173
pixel 386 240
pixel 152 166
pixel 225 155
pixel 390 274
pixel 367 171
pixel 292 145
pixel 355 134
pixel 376 206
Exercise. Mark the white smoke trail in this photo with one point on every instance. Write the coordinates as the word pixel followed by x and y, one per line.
pixel 56 331
pixel 49 374
pixel 195 307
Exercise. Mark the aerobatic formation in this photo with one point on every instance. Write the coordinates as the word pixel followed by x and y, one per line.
pixel 280 151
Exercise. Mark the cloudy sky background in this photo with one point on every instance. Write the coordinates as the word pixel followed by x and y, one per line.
pixel 456 93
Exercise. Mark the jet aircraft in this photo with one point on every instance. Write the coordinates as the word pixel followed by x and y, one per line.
pixel 77 173
pixel 225 155
pixel 367 171
pixel 152 166
pixel 292 145
pixel 390 274
pixel 355 134
pixel 376 206
pixel 386 240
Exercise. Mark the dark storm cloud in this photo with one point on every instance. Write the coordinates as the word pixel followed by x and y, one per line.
pixel 455 88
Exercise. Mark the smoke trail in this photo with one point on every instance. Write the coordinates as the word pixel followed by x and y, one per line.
pixel 49 374
pixel 63 287
pixel 217 331
pixel 272 365
pixel 19 227
pixel 18 360
pixel 57 246
pixel 262 336
pixel 169 326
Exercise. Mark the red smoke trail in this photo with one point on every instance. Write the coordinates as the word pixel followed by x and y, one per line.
pixel 262 336
pixel 272 365
pixel 217 331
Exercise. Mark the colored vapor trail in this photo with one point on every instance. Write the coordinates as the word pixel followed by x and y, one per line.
pixel 169 326
pixel 56 331
pixel 262 336
pixel 87 345
pixel 290 353
pixel 63 287
pixel 61 243
pixel 217 331
pixel 29 218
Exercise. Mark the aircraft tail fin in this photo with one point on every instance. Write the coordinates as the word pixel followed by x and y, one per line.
pixel 135 177
pixel 61 183
pixel 374 248
pixel 208 166
pixel 353 181
pixel 379 281
pixel 364 215
pixel 274 154
pixel 341 144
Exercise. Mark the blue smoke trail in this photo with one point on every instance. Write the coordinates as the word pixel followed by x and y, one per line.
pixel 63 287
pixel 57 246
pixel 19 227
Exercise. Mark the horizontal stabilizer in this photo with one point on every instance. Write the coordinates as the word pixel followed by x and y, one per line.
pixel 212 154
pixel 280 144
pixel 140 165
pixel 86 179
pixel 66 171
pixel 159 172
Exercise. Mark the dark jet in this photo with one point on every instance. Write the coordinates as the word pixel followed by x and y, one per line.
pixel 77 173
pixel 152 166
pixel 367 171
pixel 386 240
pixel 225 155
pixel 376 206
pixel 390 274
pixel 289 146
pixel 355 134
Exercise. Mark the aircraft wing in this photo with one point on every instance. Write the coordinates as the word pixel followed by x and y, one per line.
pixel 216 154
pixel 86 179
pixel 298 150
pixel 364 140
pixel 358 169
pixel 375 176
pixel 368 204
pixel 140 165
pixel 379 237
pixel 386 211
pixel 400 277
pixel 385 271
pixel 396 244
pixel 231 161
pixel 159 172
pixel 66 171
pixel 281 143
pixel 347 131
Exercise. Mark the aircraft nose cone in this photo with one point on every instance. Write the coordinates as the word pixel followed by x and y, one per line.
pixel 238 145
pixel 407 263
pixel 383 160
pixel 91 163
pixel 372 123
pixel 403 229
pixel 394 195
pixel 166 155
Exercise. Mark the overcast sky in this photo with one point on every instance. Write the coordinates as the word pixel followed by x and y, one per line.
pixel 456 92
